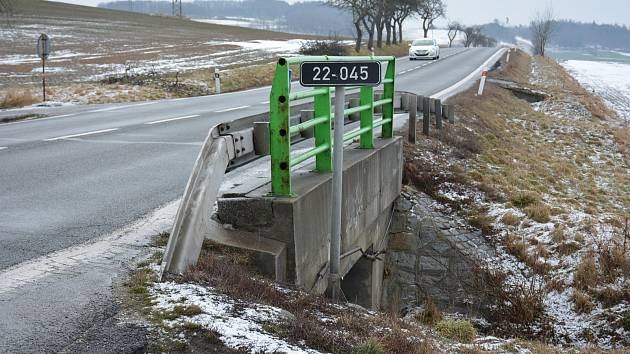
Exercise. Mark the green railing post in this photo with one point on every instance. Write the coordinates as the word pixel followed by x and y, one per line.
pixel 323 132
pixel 387 131
pixel 280 139
pixel 367 117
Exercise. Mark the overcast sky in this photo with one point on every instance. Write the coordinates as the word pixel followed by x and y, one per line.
pixel 519 11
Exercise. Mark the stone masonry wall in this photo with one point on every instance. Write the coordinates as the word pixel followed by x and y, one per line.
pixel 430 254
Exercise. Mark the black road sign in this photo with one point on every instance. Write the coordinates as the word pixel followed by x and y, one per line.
pixel 335 73
pixel 43 46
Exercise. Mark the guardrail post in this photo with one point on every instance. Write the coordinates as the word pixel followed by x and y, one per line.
pixel 261 138
pixel 426 118
pixel 451 114
pixel 404 102
pixel 367 117
pixel 438 114
pixel 279 137
pixel 420 103
pixel 413 103
pixel 323 161
pixel 387 130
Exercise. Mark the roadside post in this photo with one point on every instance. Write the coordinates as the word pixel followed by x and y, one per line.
pixel 217 81
pixel 413 107
pixel 482 83
pixel 438 113
pixel 339 74
pixel 426 116
pixel 507 60
pixel 43 51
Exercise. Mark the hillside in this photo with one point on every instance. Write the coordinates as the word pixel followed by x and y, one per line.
pixel 91 44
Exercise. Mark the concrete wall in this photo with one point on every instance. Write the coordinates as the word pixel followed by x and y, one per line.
pixel 371 184
pixel 431 254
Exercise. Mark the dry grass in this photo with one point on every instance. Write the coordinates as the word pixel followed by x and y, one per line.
pixel 513 310
pixel 510 219
pixel 539 212
pixel 585 276
pixel 430 314
pixel 228 272
pixel 14 98
pixel 582 302
pixel 517 69
pixel 459 330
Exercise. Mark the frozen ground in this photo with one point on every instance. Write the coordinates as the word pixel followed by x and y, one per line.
pixel 91 43
pixel 609 80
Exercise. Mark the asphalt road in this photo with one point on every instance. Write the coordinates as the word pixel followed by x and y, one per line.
pixel 66 180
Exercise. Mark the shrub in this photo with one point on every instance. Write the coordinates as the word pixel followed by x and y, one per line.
pixel 323 47
pixel 371 346
pixel 430 315
pixel 14 98
pixel 524 199
pixel 510 219
pixel 582 302
pixel 539 212
pixel 459 330
pixel 586 273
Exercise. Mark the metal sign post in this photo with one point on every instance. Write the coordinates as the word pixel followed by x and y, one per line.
pixel 43 51
pixel 339 75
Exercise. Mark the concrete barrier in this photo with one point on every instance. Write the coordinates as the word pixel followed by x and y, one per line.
pixel 371 183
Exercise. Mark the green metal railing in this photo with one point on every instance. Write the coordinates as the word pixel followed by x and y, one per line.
pixel 280 130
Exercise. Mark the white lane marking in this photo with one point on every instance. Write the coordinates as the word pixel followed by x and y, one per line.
pixel 81 134
pixel 38 119
pixel 121 107
pixel 129 142
pixel 266 102
pixel 231 109
pixel 449 91
pixel 3 148
pixel 172 119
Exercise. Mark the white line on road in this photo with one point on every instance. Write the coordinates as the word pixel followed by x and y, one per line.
pixel 231 109
pixel 266 102
pixel 3 148
pixel 121 107
pixel 172 119
pixel 81 134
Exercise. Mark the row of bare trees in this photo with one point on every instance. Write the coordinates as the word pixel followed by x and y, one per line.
pixel 382 20
pixel 472 36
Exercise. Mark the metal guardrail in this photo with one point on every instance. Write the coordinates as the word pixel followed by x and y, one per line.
pixel 280 130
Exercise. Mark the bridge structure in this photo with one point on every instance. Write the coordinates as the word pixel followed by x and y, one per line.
pixel 279 206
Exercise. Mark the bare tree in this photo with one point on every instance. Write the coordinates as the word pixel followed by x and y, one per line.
pixel 403 9
pixel 454 28
pixel 470 35
pixel 359 9
pixel 542 27
pixel 429 11
pixel 6 7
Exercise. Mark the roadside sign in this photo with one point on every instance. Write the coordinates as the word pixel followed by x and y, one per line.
pixel 43 46
pixel 331 73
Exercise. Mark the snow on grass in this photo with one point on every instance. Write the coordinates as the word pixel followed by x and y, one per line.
pixel 289 46
pixel 609 80
pixel 238 324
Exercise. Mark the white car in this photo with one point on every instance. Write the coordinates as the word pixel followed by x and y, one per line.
pixel 424 49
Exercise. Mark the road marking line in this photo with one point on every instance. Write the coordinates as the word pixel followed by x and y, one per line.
pixel 449 91
pixel 231 109
pixel 172 119
pixel 266 102
pixel 122 107
pixel 81 134
pixel 3 148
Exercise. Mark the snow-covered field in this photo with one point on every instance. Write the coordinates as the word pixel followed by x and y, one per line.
pixel 609 80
